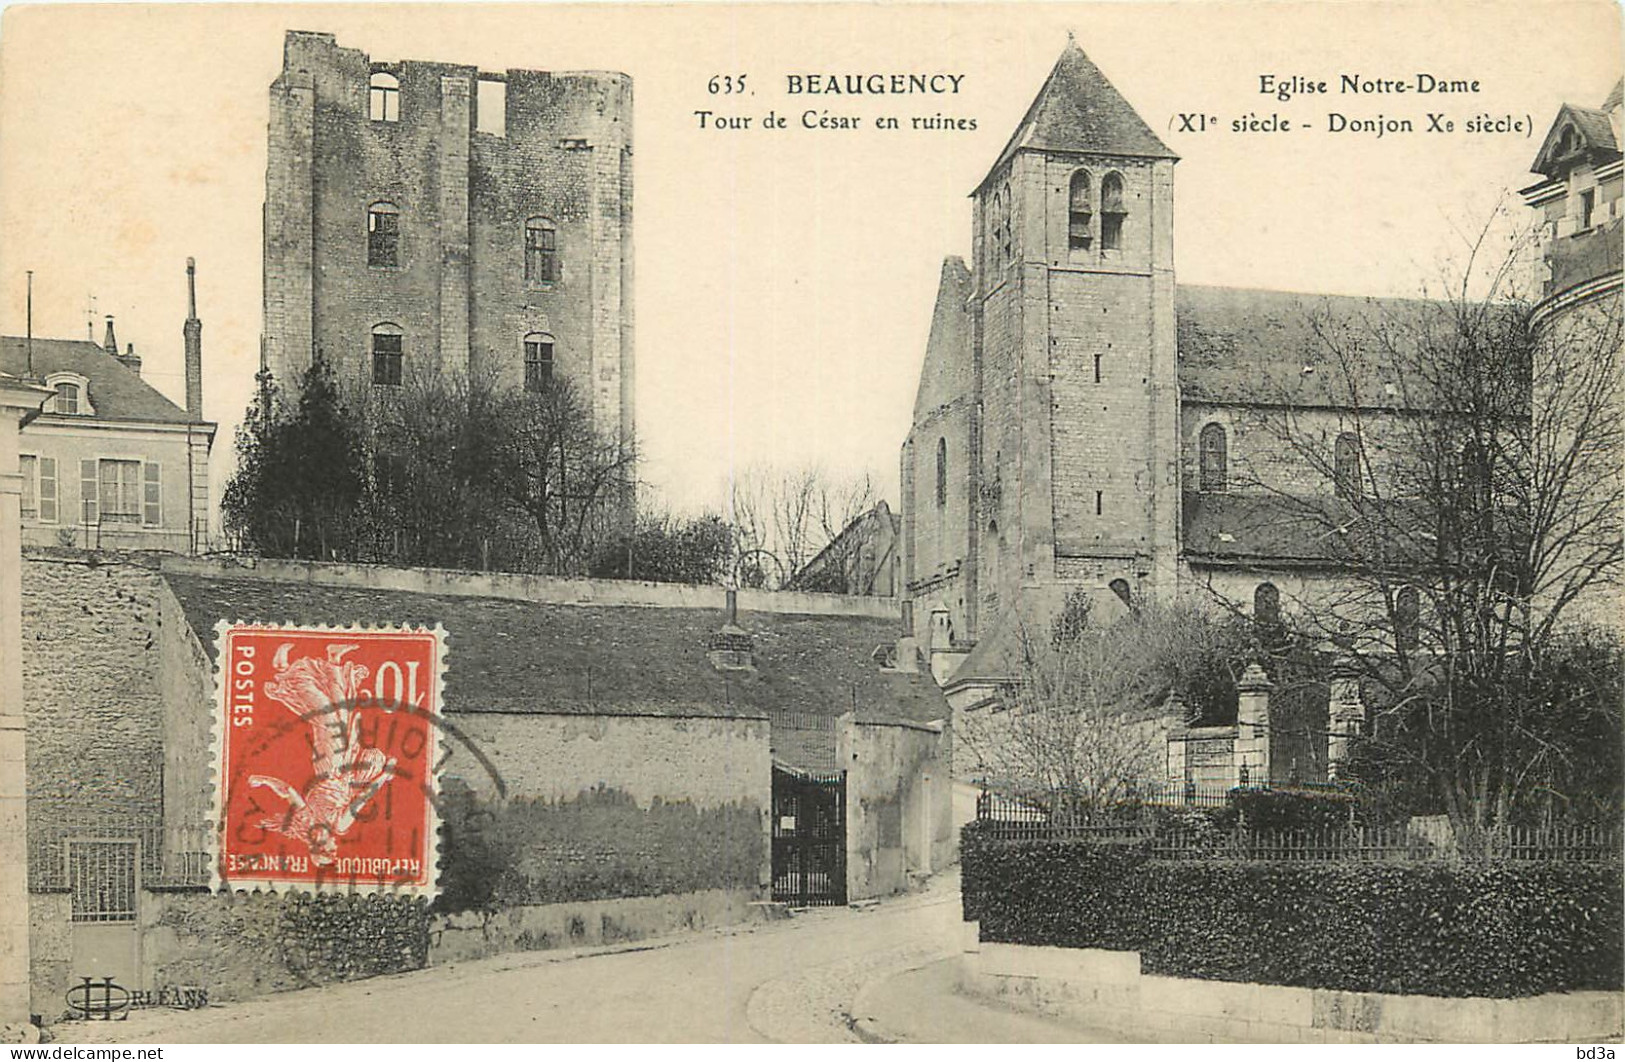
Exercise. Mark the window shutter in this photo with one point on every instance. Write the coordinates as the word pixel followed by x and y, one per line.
pixel 47 490
pixel 89 485
pixel 152 509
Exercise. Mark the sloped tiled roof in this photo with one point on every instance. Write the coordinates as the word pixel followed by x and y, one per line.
pixel 996 657
pixel 520 656
pixel 1249 346
pixel 115 391
pixel 1596 134
pixel 1078 110
pixel 1322 532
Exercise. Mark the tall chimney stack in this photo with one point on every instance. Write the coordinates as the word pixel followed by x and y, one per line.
pixel 193 333
pixel 110 341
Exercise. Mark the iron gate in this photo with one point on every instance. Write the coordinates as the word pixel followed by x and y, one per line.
pixel 809 837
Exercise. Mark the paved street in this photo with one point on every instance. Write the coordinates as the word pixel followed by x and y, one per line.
pixel 794 981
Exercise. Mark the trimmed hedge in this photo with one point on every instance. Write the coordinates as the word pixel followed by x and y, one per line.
pixel 1444 929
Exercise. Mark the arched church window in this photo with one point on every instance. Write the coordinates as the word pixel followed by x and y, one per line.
pixel 1346 466
pixel 1214 449
pixel 942 472
pixel 1267 604
pixel 1006 241
pixel 1079 213
pixel 1120 587
pixel 1113 213
pixel 1407 616
pixel 384 98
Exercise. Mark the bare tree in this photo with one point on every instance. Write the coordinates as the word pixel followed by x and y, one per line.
pixel 1080 728
pixel 1472 466
pixel 782 518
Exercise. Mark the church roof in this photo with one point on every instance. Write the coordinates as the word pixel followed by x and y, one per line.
pixel 1079 110
pixel 116 393
pixel 1240 345
pixel 1270 530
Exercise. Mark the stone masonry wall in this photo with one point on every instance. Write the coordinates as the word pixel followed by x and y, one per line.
pixel 459 293
pixel 94 702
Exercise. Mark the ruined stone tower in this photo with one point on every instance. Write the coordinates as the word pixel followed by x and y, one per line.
pixel 432 217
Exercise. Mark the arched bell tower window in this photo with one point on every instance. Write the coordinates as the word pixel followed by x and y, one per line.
pixel 1079 212
pixel 1214 448
pixel 1346 466
pixel 384 98
pixel 1120 587
pixel 1113 213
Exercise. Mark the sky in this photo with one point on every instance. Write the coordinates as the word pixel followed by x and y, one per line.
pixel 784 279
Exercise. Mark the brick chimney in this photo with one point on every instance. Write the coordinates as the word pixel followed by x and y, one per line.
pixel 193 333
pixel 110 341
pixel 730 647
pixel 131 359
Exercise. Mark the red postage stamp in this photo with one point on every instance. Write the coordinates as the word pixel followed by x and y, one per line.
pixel 328 741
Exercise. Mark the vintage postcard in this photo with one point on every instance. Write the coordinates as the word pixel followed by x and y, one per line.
pixel 812 523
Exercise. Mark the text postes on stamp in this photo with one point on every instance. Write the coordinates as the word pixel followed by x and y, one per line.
pixel 327 757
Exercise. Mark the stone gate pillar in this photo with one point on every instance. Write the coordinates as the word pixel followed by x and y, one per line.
pixel 1252 747
pixel 18 401
pixel 1346 717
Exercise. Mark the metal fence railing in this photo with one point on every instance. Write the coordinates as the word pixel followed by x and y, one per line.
pixel 151 853
pixel 1008 817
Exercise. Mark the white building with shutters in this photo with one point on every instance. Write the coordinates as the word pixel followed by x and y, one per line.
pixel 109 462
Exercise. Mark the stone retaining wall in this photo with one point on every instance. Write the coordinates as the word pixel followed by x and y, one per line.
pixel 1106 990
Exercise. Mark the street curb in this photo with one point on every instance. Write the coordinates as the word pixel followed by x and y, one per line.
pixel 868 1029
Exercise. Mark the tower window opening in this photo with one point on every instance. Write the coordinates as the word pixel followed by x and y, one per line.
pixel 1113 213
pixel 1100 502
pixel 541 251
pixel 942 473
pixel 388 354
pixel 383 235
pixel 1080 214
pixel 538 361
pixel 384 98
pixel 1588 207
pixel 491 107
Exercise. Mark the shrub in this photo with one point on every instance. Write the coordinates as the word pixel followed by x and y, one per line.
pixel 1435 928
pixel 1286 809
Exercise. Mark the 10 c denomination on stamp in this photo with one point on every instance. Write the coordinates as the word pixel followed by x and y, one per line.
pixel 328 745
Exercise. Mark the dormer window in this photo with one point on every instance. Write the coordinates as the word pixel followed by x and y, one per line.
pixel 72 394
pixel 384 98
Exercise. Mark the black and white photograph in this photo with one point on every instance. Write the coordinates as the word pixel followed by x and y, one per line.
pixel 812 523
